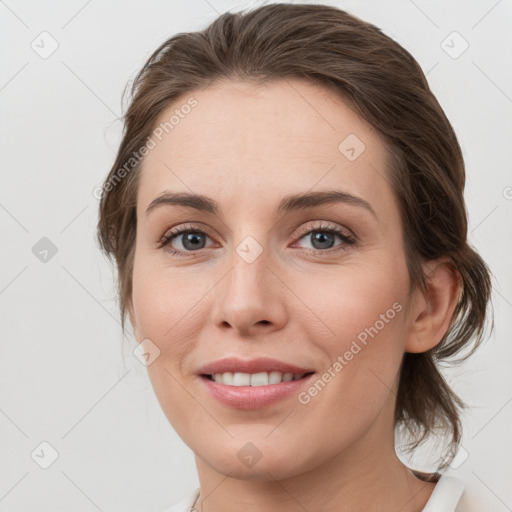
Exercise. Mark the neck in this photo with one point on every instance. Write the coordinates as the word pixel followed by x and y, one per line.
pixel 367 476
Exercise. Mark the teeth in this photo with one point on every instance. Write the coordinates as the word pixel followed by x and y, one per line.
pixel 241 379
pixel 255 379
pixel 259 379
pixel 275 377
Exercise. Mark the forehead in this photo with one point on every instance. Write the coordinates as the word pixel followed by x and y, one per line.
pixel 253 143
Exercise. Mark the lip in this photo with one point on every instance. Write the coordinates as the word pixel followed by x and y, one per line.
pixel 261 364
pixel 253 397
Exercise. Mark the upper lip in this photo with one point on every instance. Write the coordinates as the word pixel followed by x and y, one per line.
pixel 262 364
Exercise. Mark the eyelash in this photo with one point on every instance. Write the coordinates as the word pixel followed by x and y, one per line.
pixel 323 227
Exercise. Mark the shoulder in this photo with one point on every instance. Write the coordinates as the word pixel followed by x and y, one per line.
pixel 446 496
pixel 450 495
pixel 186 504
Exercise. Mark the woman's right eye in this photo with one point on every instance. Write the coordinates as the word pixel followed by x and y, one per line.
pixel 191 240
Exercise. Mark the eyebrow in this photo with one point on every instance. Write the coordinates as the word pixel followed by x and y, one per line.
pixel 289 203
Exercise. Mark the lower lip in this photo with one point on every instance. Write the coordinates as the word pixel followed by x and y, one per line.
pixel 254 397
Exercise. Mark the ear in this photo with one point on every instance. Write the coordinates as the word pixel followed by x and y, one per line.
pixel 433 308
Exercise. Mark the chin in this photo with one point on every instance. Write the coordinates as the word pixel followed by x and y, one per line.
pixel 262 460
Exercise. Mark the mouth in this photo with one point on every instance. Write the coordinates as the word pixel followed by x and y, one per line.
pixel 254 390
pixel 253 383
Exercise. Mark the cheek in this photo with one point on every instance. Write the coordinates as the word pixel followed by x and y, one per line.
pixel 164 299
pixel 360 328
pixel 352 300
pixel 166 305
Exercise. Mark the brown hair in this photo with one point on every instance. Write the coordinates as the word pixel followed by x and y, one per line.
pixel 385 85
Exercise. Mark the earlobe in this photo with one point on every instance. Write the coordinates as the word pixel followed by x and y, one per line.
pixel 433 310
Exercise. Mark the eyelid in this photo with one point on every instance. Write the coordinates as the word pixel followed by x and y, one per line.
pixel 186 226
pixel 346 235
pixel 324 225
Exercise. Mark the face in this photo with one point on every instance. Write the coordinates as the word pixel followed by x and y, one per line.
pixel 318 284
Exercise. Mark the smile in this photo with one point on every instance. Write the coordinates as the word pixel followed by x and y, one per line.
pixel 254 379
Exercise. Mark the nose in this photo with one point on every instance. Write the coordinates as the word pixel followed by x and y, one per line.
pixel 251 299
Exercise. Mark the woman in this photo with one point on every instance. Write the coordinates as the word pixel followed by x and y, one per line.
pixel 286 214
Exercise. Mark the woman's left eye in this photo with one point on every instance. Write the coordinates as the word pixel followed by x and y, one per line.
pixel 323 237
pixel 191 239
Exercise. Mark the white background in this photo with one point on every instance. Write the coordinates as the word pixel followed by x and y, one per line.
pixel 63 377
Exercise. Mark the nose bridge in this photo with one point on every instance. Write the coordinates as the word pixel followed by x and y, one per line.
pixel 250 266
pixel 250 294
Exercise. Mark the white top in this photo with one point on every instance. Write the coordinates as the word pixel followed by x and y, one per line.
pixel 446 497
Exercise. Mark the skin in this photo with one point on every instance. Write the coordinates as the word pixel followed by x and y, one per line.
pixel 247 146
